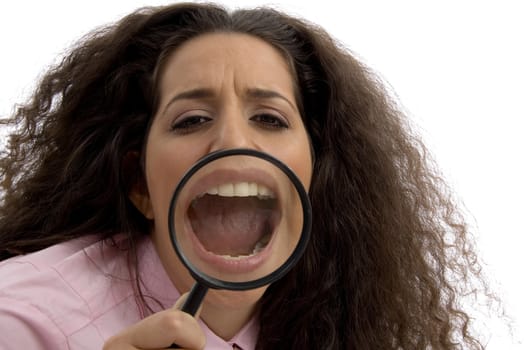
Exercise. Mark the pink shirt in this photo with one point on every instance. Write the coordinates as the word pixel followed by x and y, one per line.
pixel 77 294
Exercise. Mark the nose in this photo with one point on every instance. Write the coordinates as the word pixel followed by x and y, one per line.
pixel 232 130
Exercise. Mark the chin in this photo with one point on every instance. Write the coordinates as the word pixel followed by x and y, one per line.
pixel 234 300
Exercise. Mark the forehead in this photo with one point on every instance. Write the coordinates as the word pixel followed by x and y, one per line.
pixel 210 59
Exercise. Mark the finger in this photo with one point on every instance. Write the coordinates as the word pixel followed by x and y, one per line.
pixel 115 343
pixel 161 330
pixel 180 302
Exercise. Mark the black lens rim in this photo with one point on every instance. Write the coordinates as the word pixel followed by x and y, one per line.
pixel 213 282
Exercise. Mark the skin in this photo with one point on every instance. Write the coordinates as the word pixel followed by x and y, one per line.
pixel 208 103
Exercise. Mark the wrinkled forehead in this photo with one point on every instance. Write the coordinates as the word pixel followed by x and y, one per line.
pixel 208 59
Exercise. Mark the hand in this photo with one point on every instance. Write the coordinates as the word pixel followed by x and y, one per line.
pixel 160 331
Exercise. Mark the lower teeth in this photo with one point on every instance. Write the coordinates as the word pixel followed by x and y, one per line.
pixel 260 245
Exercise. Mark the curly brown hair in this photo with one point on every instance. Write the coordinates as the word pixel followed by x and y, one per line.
pixel 390 252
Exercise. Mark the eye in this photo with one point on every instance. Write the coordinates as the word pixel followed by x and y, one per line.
pixel 270 121
pixel 189 123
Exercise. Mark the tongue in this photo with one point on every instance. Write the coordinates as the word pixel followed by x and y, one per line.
pixel 231 225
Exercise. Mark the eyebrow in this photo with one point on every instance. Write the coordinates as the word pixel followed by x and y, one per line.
pixel 200 93
pixel 266 94
pixel 192 94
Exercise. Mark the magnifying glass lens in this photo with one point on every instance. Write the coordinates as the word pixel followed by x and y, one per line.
pixel 237 219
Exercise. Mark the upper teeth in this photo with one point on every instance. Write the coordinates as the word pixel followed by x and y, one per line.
pixel 241 189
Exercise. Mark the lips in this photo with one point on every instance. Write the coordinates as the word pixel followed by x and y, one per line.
pixel 231 218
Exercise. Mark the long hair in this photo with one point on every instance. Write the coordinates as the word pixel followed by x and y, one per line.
pixel 390 252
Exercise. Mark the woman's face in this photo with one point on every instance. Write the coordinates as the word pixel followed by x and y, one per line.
pixel 220 91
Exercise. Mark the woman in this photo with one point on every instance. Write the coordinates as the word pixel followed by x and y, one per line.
pixel 88 174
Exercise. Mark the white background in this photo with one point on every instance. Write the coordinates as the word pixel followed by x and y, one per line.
pixel 458 68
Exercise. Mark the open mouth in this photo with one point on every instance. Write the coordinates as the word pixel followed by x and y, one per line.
pixel 234 220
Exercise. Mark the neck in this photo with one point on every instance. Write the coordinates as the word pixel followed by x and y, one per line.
pixel 227 319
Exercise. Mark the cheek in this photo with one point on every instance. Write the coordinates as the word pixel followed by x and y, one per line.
pixel 162 175
pixel 299 160
pixel 163 171
pixel 304 166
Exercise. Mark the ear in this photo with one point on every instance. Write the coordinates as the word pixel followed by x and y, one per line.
pixel 138 190
pixel 141 200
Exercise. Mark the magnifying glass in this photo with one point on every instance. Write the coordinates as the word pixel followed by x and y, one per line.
pixel 239 219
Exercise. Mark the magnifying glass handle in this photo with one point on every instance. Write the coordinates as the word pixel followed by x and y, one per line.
pixel 195 298
pixel 192 303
